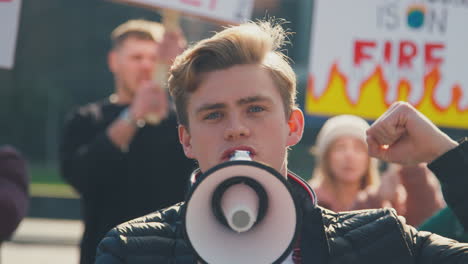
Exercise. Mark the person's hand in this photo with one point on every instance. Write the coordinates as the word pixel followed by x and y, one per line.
pixel 404 135
pixel 172 44
pixel 389 182
pixel 391 190
pixel 150 99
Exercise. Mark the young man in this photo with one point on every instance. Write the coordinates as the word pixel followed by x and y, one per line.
pixel 236 91
pixel 121 167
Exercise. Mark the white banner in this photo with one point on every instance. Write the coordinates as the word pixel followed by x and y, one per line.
pixel 9 19
pixel 367 54
pixel 226 11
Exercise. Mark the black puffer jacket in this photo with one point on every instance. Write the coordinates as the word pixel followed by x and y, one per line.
pixel 366 236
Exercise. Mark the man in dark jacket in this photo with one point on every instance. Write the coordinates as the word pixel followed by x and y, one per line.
pixel 122 167
pixel 236 91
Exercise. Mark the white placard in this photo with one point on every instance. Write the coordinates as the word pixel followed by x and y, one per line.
pixel 226 11
pixel 9 19
pixel 366 54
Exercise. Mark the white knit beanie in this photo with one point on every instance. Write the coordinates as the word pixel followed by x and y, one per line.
pixel 337 126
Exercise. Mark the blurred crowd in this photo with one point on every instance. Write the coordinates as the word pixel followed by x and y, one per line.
pixel 123 155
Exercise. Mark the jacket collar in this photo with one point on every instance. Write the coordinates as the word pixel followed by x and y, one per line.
pixel 313 240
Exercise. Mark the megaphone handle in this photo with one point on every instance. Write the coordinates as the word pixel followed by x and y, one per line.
pixel 171 22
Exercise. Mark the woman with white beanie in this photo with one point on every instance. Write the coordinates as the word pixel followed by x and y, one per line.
pixel 347 178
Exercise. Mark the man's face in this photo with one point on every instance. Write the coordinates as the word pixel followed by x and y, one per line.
pixel 133 63
pixel 239 108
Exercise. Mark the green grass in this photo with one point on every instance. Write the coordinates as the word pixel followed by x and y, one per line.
pixel 46 182
pixel 45 174
pixel 52 190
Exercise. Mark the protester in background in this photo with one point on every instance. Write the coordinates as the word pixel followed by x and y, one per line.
pixel 14 196
pixel 344 171
pixel 347 178
pixel 236 91
pixel 121 166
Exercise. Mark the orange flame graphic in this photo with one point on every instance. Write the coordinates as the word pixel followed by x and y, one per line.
pixel 372 98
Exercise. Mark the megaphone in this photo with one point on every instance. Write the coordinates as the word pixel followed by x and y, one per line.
pixel 241 211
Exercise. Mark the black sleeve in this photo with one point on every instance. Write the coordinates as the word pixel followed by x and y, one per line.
pixel 452 171
pixel 154 238
pixel 430 248
pixel 87 156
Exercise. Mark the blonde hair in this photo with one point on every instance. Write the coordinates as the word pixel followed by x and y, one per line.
pixel 249 43
pixel 137 28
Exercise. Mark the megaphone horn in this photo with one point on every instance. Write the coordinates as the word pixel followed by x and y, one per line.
pixel 241 211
